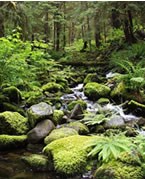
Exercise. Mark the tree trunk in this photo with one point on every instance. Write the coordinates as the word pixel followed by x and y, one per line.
pixel 97 31
pixel 115 18
pixel 2 30
pixel 64 25
pixel 46 27
pixel 128 27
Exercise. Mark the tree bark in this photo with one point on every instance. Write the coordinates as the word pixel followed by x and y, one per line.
pixel 2 30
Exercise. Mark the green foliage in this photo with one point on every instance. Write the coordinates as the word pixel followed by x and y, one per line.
pixel 108 148
pixel 134 77
pixel 140 147
pixel 93 119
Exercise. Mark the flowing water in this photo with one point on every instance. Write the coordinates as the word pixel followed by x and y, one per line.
pixel 11 166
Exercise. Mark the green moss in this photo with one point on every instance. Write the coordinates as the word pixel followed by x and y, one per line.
pixel 60 133
pixel 72 104
pixel 13 123
pixel 91 77
pixel 118 170
pixel 52 87
pixel 34 100
pixel 12 93
pixel 103 101
pixel 129 158
pixel 95 90
pixel 78 126
pixel 14 108
pixel 135 104
pixel 57 116
pixel 10 142
pixel 119 90
pixel 37 162
pixel 69 154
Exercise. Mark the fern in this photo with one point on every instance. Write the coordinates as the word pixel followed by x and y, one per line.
pixel 108 148
pixel 93 119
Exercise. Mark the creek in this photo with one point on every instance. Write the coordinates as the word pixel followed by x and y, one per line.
pixel 11 166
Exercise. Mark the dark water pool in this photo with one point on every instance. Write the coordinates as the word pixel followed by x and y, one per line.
pixel 11 167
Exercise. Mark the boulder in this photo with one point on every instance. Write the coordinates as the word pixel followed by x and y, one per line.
pixel 68 154
pixel 13 123
pixel 77 112
pixel 114 122
pixel 72 104
pixel 60 133
pixel 58 117
pixel 52 87
pixel 116 170
pixel 79 127
pixel 38 112
pixel 13 94
pixel 95 90
pixel 41 130
pixel 37 162
pixel 14 108
pixel 91 77
pixel 8 142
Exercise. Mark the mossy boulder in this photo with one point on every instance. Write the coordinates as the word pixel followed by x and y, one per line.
pixel 72 104
pixel 58 117
pixel 60 133
pixel 13 123
pixel 69 154
pixel 37 162
pixel 8 142
pixel 34 100
pixel 119 90
pixel 79 127
pixel 13 94
pixel 91 77
pixel 103 101
pixel 52 87
pixel 13 108
pixel 95 90
pixel 117 170
pixel 38 112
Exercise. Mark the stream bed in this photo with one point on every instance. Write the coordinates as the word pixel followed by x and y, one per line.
pixel 11 165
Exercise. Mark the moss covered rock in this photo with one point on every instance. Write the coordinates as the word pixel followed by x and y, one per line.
pixel 69 154
pixel 14 108
pixel 79 127
pixel 91 77
pixel 103 101
pixel 60 133
pixel 119 90
pixel 37 162
pixel 72 104
pixel 58 117
pixel 38 112
pixel 52 87
pixel 10 142
pixel 95 90
pixel 13 94
pixel 118 170
pixel 13 123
